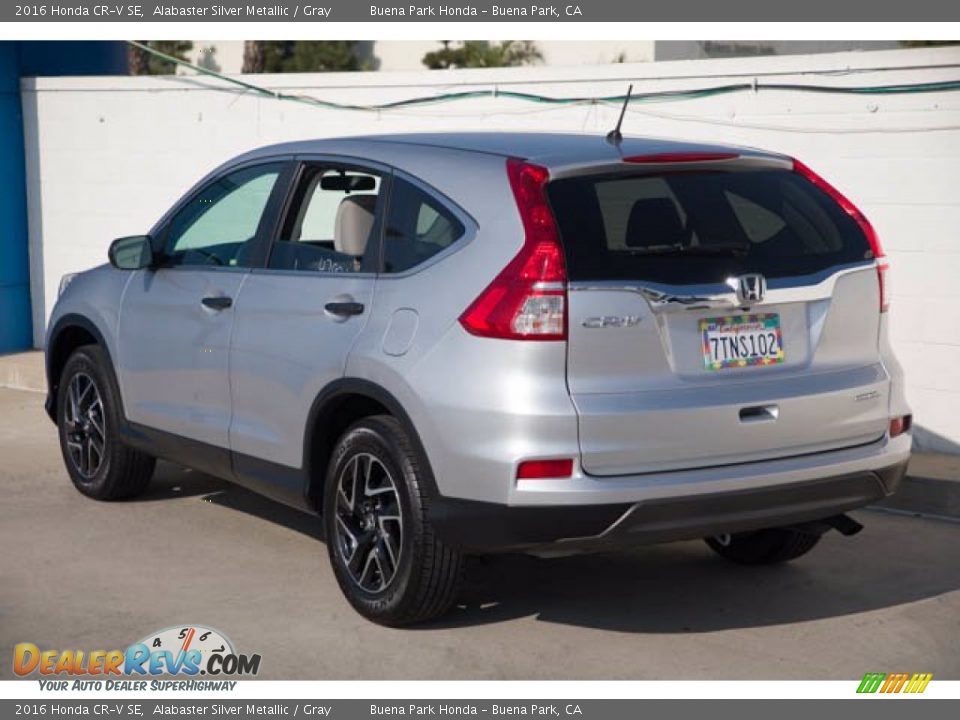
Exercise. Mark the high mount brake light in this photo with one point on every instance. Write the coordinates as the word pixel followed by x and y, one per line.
pixel 854 212
pixel 528 299
pixel 679 157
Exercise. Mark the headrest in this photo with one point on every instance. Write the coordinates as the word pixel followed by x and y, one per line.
pixel 353 224
pixel 654 221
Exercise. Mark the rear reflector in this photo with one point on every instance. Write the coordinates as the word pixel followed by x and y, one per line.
pixel 540 469
pixel 865 226
pixel 900 425
pixel 679 157
pixel 528 299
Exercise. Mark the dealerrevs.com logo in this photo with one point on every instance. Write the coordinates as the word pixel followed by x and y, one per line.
pixel 183 650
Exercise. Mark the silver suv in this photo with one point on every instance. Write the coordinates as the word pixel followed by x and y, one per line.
pixel 453 344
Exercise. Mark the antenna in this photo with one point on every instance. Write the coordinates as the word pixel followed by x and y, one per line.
pixel 614 137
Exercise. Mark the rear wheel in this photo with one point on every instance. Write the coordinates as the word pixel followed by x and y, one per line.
pixel 88 419
pixel 388 561
pixel 764 547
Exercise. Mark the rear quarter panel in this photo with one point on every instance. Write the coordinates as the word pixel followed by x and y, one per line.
pixel 478 404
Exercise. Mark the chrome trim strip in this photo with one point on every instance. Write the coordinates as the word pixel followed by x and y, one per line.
pixel 668 298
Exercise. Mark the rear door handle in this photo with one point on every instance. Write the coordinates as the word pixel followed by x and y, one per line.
pixel 218 302
pixel 344 309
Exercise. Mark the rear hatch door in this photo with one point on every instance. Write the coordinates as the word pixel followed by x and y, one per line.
pixel 720 312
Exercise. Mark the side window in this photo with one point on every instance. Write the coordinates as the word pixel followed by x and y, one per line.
pixel 219 225
pixel 418 227
pixel 331 223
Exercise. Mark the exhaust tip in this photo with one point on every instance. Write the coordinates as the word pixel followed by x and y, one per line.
pixel 844 524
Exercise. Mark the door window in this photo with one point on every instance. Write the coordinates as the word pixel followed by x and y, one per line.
pixel 331 224
pixel 221 224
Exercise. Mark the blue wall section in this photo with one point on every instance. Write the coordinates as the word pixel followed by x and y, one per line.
pixel 76 57
pixel 18 59
pixel 16 332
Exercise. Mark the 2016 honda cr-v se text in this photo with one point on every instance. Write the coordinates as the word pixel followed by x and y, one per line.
pixel 465 343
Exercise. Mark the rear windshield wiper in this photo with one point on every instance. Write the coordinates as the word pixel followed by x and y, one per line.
pixel 708 249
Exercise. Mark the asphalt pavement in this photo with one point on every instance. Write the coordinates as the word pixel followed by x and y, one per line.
pixel 79 574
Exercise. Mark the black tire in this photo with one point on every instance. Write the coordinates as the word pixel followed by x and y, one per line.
pixel 764 547
pixel 413 576
pixel 117 471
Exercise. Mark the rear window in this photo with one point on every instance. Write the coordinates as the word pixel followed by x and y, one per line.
pixel 701 227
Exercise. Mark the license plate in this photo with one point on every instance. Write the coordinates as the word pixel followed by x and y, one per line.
pixel 737 341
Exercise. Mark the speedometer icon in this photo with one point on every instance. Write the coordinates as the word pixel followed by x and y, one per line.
pixel 181 639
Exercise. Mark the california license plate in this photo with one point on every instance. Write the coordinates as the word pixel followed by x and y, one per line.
pixel 737 341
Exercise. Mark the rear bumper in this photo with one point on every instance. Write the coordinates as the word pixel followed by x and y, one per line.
pixel 489 527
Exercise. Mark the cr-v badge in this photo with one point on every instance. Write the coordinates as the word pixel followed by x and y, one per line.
pixel 611 321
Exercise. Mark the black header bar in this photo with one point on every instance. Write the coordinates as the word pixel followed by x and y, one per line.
pixel 320 11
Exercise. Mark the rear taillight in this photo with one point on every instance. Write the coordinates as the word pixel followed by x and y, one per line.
pixel 854 212
pixel 883 271
pixel 900 425
pixel 528 299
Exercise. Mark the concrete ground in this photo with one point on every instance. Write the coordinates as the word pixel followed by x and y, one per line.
pixel 85 575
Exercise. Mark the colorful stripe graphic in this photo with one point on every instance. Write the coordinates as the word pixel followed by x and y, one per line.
pixel 894 682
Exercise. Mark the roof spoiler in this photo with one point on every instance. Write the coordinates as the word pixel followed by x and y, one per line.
pixel 654 163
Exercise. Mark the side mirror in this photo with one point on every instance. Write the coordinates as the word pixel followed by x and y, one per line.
pixel 131 253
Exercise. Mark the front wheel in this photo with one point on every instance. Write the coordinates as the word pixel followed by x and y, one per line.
pixel 88 420
pixel 387 559
pixel 764 547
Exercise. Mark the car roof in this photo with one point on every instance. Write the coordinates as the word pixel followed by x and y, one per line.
pixel 550 149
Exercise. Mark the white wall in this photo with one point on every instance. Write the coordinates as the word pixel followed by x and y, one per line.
pixel 106 156
pixel 227 55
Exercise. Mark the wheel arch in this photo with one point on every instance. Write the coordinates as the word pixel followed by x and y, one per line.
pixel 336 407
pixel 70 332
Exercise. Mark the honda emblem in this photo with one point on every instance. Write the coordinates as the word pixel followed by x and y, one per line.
pixel 750 288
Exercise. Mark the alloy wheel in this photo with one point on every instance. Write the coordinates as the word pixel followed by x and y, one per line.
pixel 369 522
pixel 84 426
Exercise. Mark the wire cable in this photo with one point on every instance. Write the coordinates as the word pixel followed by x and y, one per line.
pixel 495 92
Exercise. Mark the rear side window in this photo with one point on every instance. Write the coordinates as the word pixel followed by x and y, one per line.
pixel 331 224
pixel 418 227
pixel 697 227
